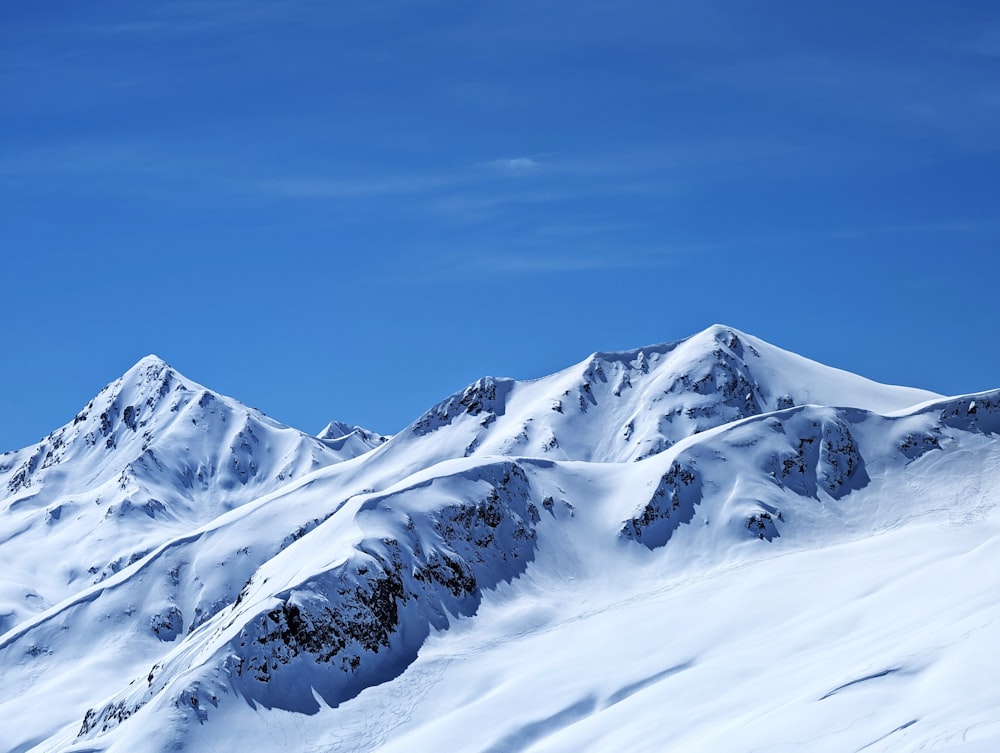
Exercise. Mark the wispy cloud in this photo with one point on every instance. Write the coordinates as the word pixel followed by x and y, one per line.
pixel 127 27
pixel 514 165
pixel 78 163
pixel 910 95
pixel 198 17
pixel 424 182
pixel 589 260
pixel 542 193
pixel 360 187
pixel 191 17
pixel 424 264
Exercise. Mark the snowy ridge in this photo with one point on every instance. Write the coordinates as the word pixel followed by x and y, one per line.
pixel 348 440
pixel 463 570
pixel 151 456
pixel 629 405
pixel 284 640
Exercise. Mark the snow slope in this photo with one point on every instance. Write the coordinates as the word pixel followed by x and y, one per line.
pixel 617 407
pixel 348 440
pixel 152 456
pixel 776 556
pixel 629 405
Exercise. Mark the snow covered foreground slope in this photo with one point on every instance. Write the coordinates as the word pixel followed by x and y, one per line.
pixel 709 545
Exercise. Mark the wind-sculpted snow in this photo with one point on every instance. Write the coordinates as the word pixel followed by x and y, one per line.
pixel 810 452
pixel 778 470
pixel 527 566
pixel 424 555
pixel 979 413
pixel 631 405
pixel 350 441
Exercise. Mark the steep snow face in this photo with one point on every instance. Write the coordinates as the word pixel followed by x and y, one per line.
pixel 624 406
pixel 150 457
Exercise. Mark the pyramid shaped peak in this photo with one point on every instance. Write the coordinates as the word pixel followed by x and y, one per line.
pixel 149 376
pixel 149 364
pixel 337 429
pixel 151 360
pixel 729 337
pixel 722 330
pixel 151 368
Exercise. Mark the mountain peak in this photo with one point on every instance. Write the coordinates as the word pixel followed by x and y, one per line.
pixel 121 414
pixel 229 563
pixel 725 335
pixel 148 369
pixel 640 402
pixel 151 359
pixel 719 330
pixel 140 391
pixel 707 340
pixel 336 430
pixel 347 437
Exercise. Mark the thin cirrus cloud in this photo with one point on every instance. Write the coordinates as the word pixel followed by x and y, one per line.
pixel 194 17
pixel 425 265
pixel 362 187
pixel 605 259
pixel 317 187
pixel 512 164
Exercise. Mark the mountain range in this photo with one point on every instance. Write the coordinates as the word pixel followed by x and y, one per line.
pixel 712 544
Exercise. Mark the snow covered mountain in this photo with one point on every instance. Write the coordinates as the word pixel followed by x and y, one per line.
pixel 152 456
pixel 615 407
pixel 350 441
pixel 712 544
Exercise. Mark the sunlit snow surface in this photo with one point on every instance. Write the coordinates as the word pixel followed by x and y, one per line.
pixel 711 545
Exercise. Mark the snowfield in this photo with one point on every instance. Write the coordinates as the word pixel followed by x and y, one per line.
pixel 709 545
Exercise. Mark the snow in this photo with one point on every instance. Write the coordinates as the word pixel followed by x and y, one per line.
pixel 705 545
pixel 153 456
pixel 350 441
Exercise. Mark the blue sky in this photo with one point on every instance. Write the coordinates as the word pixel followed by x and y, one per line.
pixel 349 210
